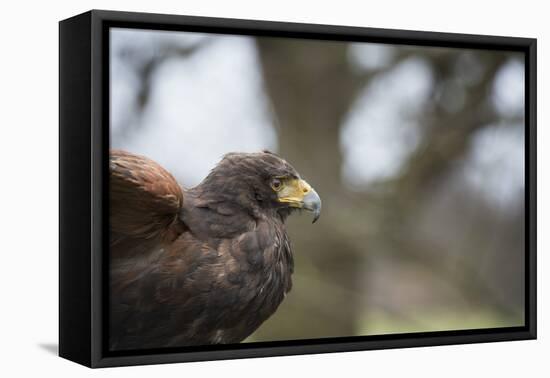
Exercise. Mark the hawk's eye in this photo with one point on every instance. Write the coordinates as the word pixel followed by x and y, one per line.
pixel 276 184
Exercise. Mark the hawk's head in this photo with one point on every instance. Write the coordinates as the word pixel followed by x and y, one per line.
pixel 262 180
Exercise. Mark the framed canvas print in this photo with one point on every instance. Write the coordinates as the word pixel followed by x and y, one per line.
pixel 234 188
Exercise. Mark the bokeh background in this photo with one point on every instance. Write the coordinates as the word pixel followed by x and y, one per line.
pixel 417 153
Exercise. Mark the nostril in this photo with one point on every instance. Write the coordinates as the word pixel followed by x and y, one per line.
pixel 305 190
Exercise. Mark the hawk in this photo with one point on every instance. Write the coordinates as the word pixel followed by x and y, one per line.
pixel 199 266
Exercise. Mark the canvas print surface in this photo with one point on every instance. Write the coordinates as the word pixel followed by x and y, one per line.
pixel 410 160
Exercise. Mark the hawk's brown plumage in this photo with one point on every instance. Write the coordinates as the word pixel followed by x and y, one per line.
pixel 201 266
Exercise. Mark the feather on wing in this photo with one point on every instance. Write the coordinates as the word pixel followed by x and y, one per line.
pixel 145 203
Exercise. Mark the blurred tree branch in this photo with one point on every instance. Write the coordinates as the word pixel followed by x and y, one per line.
pixel 144 66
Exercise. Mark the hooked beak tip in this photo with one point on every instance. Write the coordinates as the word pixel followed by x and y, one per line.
pixel 316 216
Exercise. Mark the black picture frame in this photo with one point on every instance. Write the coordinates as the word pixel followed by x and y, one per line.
pixel 83 196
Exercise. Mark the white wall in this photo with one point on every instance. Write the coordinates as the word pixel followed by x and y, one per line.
pixel 28 186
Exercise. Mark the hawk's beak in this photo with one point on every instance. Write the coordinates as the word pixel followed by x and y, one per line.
pixel 298 193
pixel 312 202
